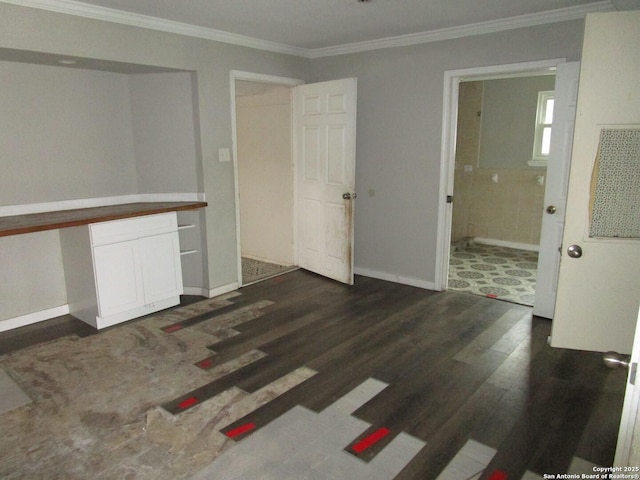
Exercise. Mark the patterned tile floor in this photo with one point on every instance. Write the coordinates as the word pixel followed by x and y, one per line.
pixel 255 270
pixel 488 270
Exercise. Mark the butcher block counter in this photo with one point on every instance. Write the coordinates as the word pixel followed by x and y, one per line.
pixel 120 261
pixel 37 222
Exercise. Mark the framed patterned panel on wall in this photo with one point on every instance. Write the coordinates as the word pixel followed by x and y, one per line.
pixel 615 184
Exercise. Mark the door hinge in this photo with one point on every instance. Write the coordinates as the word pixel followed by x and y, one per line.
pixel 449 198
pixel 632 373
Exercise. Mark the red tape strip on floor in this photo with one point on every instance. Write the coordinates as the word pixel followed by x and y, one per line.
pixel 247 427
pixel 372 439
pixel 206 363
pixel 498 475
pixel 172 328
pixel 187 403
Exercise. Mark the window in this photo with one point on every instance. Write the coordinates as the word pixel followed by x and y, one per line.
pixel 542 139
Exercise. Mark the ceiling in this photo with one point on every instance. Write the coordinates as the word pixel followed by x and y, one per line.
pixel 313 24
pixel 324 27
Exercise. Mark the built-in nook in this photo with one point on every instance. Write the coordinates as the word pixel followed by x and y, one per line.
pixel 87 134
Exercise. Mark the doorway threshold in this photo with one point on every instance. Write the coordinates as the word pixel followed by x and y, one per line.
pixel 254 271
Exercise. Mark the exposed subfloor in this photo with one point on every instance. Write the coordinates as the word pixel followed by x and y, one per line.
pixel 299 377
pixel 498 272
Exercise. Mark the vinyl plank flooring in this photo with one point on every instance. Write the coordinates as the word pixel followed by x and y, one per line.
pixel 458 367
pixel 452 436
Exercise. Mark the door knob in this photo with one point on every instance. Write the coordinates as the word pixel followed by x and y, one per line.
pixel 348 196
pixel 551 209
pixel 615 360
pixel 574 251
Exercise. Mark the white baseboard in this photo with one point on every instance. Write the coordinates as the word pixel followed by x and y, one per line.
pixel 390 277
pixel 222 290
pixel 505 243
pixel 48 314
pixel 201 292
pixel 31 318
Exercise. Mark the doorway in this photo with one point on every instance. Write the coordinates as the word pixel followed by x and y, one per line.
pixel 491 232
pixel 316 182
pixel 498 189
pixel 264 175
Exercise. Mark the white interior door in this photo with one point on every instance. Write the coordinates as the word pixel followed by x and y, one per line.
pixel 630 409
pixel 599 284
pixel 555 193
pixel 325 123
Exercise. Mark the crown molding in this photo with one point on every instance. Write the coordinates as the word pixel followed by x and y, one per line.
pixel 522 21
pixel 80 9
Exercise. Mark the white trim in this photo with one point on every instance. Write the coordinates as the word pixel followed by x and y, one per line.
pixel 452 79
pixel 493 26
pixel 49 313
pixel 504 243
pixel 214 292
pixel 199 291
pixel 95 12
pixel 172 197
pixel 392 277
pixel 71 7
pixel 35 317
pixel 538 159
pixel 27 208
pixel 263 78
pixel 259 78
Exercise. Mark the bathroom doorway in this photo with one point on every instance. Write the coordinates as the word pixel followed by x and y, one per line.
pixel 498 188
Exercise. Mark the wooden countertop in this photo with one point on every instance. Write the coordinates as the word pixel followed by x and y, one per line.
pixel 37 222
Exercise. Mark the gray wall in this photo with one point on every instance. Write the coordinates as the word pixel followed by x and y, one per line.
pixel 167 155
pixel 400 92
pixel 164 136
pixel 40 31
pixel 509 110
pixel 64 134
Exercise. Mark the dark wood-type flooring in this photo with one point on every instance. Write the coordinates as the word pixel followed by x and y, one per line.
pixel 458 366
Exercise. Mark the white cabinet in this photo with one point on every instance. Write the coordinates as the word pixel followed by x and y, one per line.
pixel 118 277
pixel 122 269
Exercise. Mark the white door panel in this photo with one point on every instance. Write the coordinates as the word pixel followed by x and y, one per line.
pixel 597 300
pixel 625 454
pixel 555 194
pixel 325 161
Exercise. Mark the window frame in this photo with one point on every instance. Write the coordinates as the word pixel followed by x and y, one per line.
pixel 539 159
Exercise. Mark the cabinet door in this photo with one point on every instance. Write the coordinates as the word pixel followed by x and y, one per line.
pixel 161 267
pixel 118 277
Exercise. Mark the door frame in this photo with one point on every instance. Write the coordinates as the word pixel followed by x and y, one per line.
pixel 452 80
pixel 272 80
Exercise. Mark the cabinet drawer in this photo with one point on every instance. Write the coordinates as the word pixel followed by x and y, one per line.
pixel 131 228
